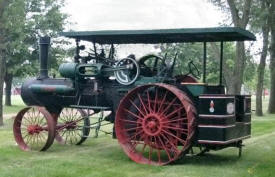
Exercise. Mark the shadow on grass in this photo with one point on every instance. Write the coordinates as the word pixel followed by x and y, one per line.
pixel 208 159
pixel 110 149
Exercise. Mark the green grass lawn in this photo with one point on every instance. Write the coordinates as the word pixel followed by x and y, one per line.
pixel 17 104
pixel 103 157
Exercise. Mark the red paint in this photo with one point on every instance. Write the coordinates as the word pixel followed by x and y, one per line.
pixel 211 104
pixel 185 79
pixel 33 119
pixel 155 127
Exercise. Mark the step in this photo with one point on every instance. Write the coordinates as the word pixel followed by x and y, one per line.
pixel 90 107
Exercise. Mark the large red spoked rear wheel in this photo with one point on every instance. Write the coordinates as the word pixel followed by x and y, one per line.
pixel 34 129
pixel 155 124
pixel 73 126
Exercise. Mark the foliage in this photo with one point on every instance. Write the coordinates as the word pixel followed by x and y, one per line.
pixel 41 18
pixel 186 52
pixel 4 4
pixel 26 21
pixel 250 75
pixel 194 52
pixel 238 12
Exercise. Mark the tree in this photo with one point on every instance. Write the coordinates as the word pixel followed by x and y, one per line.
pixel 194 52
pixel 21 23
pixel 271 106
pixel 42 17
pixel 262 18
pixel 186 52
pixel 3 6
pixel 15 16
pixel 228 64
pixel 239 12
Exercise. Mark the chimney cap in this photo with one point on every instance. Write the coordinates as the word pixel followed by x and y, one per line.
pixel 44 40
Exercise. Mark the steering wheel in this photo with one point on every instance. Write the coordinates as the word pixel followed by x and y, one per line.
pixel 194 70
pixel 127 71
pixel 151 65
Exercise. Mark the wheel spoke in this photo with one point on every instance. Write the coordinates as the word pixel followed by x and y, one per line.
pixel 169 105
pixel 150 153
pixel 162 101
pixel 133 114
pixel 142 103
pixel 135 135
pixel 175 111
pixel 168 133
pixel 163 147
pixel 177 152
pixel 73 126
pixel 185 131
pixel 142 113
pixel 149 101
pixel 176 120
pixel 134 128
pixel 155 104
pixel 130 121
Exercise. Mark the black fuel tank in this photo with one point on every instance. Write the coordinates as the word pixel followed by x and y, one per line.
pixel 51 92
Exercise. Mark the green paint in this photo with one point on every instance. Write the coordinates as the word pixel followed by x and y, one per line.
pixel 89 70
pixel 76 70
pixel 163 35
pixel 42 88
pixel 68 70
pixel 196 90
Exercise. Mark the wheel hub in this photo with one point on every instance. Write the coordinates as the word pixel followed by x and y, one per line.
pixel 71 125
pixel 152 124
pixel 34 129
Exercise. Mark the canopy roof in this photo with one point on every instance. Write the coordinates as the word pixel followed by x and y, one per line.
pixel 163 35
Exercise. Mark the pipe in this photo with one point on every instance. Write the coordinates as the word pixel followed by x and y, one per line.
pixel 221 62
pixel 44 43
pixel 204 62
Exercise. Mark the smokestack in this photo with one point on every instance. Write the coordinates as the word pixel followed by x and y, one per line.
pixel 44 43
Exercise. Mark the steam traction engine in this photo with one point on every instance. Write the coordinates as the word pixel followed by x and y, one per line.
pixel 158 117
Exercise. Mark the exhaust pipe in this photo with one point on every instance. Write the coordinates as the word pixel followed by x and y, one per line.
pixel 44 43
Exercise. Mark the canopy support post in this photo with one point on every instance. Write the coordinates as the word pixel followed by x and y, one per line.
pixel 77 51
pixel 221 62
pixel 204 62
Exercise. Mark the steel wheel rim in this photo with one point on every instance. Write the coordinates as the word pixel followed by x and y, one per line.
pixel 34 129
pixel 165 126
pixel 73 126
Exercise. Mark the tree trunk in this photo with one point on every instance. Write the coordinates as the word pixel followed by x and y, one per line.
pixel 239 20
pixel 260 71
pixel 2 69
pixel 8 83
pixel 271 106
pixel 3 5
pixel 239 67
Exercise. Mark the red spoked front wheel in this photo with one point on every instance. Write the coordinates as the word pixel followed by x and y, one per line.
pixel 155 124
pixel 73 126
pixel 34 129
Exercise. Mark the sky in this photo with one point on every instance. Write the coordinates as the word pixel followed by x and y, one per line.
pixel 140 14
pixel 88 15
